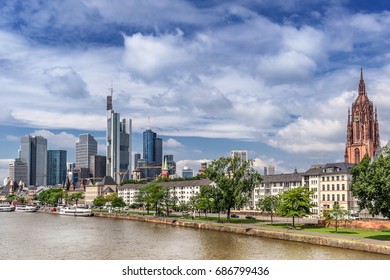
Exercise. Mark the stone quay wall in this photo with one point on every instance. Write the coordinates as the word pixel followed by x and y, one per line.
pixel 290 235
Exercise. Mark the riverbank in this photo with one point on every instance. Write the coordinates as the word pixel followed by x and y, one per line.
pixel 322 239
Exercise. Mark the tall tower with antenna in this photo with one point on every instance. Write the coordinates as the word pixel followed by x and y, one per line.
pixel 118 143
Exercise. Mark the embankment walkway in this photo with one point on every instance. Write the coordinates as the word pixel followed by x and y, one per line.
pixel 316 238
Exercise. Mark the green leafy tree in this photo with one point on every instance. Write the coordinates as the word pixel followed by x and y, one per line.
pixel 76 197
pixel 268 204
pixel 118 202
pixel 205 199
pixel 336 214
pixel 236 180
pixel 169 200
pixel 99 201
pixel 371 184
pixel 295 203
pixel 51 196
pixel 151 196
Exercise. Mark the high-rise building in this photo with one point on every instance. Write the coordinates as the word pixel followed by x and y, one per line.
pixel 362 127
pixel 152 148
pixel 187 172
pixel 56 167
pixel 242 154
pixel 97 167
pixel 18 171
pixel 86 146
pixel 33 151
pixel 170 163
pixel 269 170
pixel 152 154
pixel 118 144
pixel 137 157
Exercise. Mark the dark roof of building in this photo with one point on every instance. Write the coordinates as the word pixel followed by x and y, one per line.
pixel 107 180
pixel 172 184
pixel 290 177
pixel 108 190
pixel 337 168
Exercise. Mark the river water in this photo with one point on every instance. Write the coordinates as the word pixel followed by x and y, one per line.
pixel 42 236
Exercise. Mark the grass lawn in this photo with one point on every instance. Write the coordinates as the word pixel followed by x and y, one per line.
pixel 383 235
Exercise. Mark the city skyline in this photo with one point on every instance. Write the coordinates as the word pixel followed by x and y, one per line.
pixel 270 77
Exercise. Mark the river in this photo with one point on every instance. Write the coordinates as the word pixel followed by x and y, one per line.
pixel 42 236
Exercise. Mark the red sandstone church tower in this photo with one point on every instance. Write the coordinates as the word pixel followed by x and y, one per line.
pixel 362 127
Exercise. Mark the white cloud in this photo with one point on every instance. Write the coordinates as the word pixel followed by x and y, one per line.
pixel 192 164
pixel 172 143
pixel 150 56
pixel 62 140
pixel 66 83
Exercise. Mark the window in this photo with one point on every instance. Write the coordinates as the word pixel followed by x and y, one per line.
pixel 337 178
pixel 327 178
pixel 343 197
pixel 323 178
pixel 338 187
pixel 338 197
pixel 328 197
pixel 332 178
pixel 323 187
pixel 343 187
pixel 332 197
pixel 327 187
pixel 323 197
pixel 332 187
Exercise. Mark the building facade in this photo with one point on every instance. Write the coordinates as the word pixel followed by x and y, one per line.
pixel 56 167
pixel 242 154
pixel 33 151
pixel 97 167
pixel 18 171
pixel 362 127
pixel 118 139
pixel 86 146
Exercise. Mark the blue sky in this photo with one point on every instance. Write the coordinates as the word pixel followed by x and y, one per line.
pixel 273 77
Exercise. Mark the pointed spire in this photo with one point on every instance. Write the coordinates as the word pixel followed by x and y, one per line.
pixel 148 122
pixel 362 86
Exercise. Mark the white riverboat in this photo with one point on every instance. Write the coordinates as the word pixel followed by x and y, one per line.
pixel 26 208
pixel 6 208
pixel 76 211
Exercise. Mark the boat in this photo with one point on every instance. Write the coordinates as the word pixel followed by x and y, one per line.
pixel 26 208
pixel 6 208
pixel 76 211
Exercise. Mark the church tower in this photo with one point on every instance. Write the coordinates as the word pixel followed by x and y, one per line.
pixel 362 127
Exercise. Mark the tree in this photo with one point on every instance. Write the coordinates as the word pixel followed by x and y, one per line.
pixel 118 202
pixel 336 214
pixel 76 197
pixel 205 199
pixel 371 184
pixel 51 196
pixel 268 204
pixel 235 178
pixel 99 201
pixel 295 203
pixel 151 196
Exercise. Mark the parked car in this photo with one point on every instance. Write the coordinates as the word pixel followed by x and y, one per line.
pixel 234 216
pixel 250 218
pixel 354 216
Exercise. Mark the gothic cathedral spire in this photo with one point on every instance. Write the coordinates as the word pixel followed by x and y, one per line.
pixel 362 127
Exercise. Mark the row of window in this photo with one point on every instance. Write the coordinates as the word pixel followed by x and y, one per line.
pixel 334 197
pixel 333 187
pixel 332 178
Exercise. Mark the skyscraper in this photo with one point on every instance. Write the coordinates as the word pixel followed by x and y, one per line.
pixel 33 151
pixel 362 127
pixel 56 167
pixel 18 171
pixel 86 146
pixel 152 148
pixel 118 144
pixel 242 154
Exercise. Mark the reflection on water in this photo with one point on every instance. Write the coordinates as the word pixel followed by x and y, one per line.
pixel 39 236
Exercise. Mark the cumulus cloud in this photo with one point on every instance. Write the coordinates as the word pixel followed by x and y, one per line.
pixel 65 82
pixel 172 143
pixel 148 55
pixel 62 140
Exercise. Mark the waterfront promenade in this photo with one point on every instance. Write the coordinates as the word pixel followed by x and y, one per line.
pixel 317 238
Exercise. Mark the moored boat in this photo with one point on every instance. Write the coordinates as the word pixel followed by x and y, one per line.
pixel 76 211
pixel 26 208
pixel 6 208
